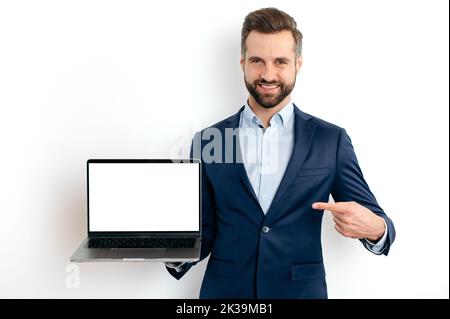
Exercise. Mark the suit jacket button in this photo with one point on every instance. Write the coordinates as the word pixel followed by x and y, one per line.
pixel 265 229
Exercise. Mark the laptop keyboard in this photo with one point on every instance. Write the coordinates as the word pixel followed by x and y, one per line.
pixel 132 242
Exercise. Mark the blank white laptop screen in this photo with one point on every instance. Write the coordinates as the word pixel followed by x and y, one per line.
pixel 145 197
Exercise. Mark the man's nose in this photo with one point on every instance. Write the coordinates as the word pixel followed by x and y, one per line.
pixel 269 74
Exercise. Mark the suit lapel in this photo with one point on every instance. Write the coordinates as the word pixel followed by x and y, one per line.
pixel 303 136
pixel 238 164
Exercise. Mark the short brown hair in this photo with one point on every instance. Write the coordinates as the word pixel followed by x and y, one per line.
pixel 270 20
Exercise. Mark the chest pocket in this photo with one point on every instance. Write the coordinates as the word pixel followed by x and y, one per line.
pixel 313 171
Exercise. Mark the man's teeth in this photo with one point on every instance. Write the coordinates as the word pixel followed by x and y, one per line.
pixel 269 86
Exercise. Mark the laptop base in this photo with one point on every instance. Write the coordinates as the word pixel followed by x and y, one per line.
pixel 86 254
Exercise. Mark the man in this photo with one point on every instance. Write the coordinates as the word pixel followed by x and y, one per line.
pixel 265 188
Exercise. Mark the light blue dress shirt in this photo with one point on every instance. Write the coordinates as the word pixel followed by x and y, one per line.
pixel 266 153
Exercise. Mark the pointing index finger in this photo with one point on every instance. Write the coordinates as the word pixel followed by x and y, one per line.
pixel 327 206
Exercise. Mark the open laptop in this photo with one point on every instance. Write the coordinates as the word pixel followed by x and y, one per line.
pixel 142 210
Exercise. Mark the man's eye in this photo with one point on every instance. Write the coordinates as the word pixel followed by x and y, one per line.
pixel 256 61
pixel 281 62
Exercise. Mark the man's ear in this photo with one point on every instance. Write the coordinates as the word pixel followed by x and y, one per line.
pixel 298 63
pixel 242 62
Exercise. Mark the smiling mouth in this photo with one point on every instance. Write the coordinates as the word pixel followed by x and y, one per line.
pixel 268 88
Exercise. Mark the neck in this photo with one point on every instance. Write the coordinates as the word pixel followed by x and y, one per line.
pixel 265 114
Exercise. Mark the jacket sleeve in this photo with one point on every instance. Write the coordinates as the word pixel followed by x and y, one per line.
pixel 208 212
pixel 349 185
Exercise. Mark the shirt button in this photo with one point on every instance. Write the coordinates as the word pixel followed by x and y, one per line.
pixel 265 197
pixel 265 229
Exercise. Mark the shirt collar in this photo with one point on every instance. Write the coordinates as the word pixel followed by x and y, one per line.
pixel 282 116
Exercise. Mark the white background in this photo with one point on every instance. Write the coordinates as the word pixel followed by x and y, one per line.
pixel 135 79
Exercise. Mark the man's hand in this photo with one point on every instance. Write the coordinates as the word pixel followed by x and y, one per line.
pixel 354 220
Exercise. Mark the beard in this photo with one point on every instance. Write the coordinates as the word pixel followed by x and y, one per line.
pixel 269 100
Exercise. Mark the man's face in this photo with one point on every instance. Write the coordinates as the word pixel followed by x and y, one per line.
pixel 270 66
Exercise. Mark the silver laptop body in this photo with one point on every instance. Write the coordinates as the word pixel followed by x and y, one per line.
pixel 142 210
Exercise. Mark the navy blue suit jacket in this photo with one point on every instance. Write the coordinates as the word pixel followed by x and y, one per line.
pixel 284 260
